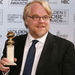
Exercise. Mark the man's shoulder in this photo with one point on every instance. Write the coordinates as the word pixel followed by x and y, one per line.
pixel 60 40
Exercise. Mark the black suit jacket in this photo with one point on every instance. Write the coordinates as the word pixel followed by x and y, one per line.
pixel 57 58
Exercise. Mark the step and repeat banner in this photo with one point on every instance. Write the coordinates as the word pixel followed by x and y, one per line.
pixel 62 23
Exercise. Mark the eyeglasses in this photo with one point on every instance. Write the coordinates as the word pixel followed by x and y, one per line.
pixel 37 18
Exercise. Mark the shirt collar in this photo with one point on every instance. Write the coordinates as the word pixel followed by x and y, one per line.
pixel 42 39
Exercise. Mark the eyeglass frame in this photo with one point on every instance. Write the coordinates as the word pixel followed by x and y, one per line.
pixel 37 18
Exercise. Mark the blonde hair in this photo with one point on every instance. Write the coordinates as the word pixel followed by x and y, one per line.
pixel 27 8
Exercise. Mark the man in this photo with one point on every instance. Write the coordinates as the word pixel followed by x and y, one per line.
pixel 54 55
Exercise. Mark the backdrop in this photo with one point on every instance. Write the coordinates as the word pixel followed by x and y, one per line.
pixel 62 23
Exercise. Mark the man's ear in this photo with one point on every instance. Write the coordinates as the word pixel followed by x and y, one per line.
pixel 26 21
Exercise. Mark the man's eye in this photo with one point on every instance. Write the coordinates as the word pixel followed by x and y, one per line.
pixel 45 17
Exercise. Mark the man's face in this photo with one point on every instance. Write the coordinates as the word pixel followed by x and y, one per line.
pixel 38 26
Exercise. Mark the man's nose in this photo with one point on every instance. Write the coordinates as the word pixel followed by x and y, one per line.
pixel 41 19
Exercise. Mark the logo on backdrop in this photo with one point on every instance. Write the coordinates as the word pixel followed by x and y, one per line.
pixel 52 1
pixel 65 1
pixel 15 18
pixel 1 16
pixel 60 16
pixel 18 31
pixel 17 2
pixel 62 35
pixel 1 1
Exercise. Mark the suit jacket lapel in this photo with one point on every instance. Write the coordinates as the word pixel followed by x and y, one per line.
pixel 48 47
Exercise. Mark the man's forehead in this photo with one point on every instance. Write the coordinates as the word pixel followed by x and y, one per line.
pixel 37 8
pixel 36 4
